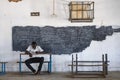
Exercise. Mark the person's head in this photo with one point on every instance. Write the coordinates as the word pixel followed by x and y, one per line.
pixel 34 44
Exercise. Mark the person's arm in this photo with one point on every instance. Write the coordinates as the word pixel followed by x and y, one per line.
pixel 28 51
pixel 39 50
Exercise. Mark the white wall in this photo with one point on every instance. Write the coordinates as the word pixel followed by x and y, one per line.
pixel 18 14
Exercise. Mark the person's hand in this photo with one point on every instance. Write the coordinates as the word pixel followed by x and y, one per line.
pixel 30 55
pixel 37 52
pixel 26 52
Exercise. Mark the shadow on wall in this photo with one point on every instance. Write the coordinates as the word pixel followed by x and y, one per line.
pixel 59 40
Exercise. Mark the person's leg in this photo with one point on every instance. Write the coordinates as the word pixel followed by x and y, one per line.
pixel 28 62
pixel 41 60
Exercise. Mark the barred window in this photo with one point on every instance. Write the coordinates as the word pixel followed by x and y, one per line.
pixel 81 11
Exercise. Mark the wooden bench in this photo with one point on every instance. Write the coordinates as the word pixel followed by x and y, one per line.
pixel 103 63
pixel 3 67
pixel 48 62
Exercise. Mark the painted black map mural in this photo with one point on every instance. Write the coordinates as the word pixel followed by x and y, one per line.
pixel 59 40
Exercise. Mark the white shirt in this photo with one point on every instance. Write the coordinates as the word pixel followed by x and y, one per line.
pixel 32 50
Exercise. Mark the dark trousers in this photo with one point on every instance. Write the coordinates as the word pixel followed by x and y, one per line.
pixel 39 60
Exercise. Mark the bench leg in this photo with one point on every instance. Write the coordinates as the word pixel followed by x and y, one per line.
pixel 48 67
pixel 19 68
pixel 3 68
pixel 50 64
pixel 20 64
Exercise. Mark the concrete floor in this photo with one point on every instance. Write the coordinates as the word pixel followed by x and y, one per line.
pixel 53 76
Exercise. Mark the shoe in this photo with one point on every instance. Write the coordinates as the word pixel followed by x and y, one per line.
pixel 34 72
pixel 38 72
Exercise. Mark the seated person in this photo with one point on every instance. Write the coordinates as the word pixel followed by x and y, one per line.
pixel 34 49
